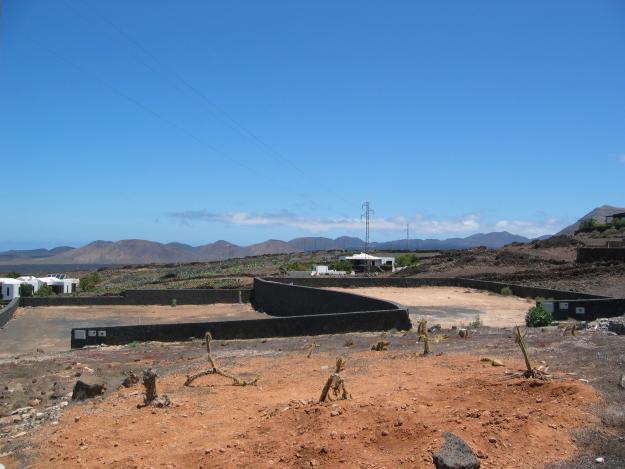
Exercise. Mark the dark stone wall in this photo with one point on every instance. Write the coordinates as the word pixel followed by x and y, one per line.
pixel 6 313
pixel 600 254
pixel 280 299
pixel 302 311
pixel 517 290
pixel 362 282
pixel 186 297
pixel 586 309
pixel 146 297
pixel 247 329
pixel 522 290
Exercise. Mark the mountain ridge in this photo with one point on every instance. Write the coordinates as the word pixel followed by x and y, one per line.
pixel 138 251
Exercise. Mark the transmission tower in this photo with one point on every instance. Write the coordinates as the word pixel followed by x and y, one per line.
pixel 366 214
pixel 407 236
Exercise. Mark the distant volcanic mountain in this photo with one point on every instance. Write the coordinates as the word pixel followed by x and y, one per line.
pixel 137 251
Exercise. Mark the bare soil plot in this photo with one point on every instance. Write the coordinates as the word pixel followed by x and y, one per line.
pixel 48 328
pixel 401 406
pixel 451 306
pixel 533 423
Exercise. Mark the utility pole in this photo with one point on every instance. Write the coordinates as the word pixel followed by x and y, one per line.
pixel 366 213
pixel 407 236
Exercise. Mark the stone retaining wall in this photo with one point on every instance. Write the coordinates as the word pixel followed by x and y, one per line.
pixel 7 312
pixel 301 311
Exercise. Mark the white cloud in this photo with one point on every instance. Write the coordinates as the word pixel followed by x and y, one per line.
pixel 530 229
pixel 420 225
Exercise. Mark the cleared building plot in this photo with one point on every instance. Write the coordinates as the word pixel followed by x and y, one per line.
pixel 452 306
pixel 48 328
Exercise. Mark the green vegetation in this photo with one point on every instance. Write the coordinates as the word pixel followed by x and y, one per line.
pixel 506 291
pixel 344 265
pixel 476 323
pixel 89 282
pixel 44 290
pixel 300 266
pixel 538 316
pixel 172 302
pixel 11 274
pixel 407 260
pixel 26 289
pixel 591 225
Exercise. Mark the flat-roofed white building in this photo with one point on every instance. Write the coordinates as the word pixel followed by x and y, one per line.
pixel 325 270
pixel 10 288
pixel 31 280
pixel 60 284
pixel 364 262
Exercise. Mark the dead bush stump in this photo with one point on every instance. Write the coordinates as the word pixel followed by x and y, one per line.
pixel 422 332
pixel 380 346
pixel 334 387
pixel 569 327
pixel 236 381
pixel 151 395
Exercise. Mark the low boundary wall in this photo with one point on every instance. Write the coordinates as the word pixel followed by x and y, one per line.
pixel 146 297
pixel 6 313
pixel 410 282
pixel 301 311
pixel 586 310
pixel 563 304
pixel 590 254
pixel 246 329
pixel 281 299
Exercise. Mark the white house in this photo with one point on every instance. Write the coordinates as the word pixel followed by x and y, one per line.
pixel 34 281
pixel 60 284
pixel 325 270
pixel 366 262
pixel 10 288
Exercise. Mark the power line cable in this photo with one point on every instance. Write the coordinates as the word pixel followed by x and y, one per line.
pixel 216 111
pixel 155 114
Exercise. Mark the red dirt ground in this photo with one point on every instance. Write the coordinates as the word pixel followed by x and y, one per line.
pixel 401 405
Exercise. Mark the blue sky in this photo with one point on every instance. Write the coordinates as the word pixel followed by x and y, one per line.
pixel 196 121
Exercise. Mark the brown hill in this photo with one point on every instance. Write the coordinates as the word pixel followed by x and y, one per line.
pixel 137 251
pixel 127 251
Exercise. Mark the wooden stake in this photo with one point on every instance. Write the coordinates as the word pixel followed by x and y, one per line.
pixel 519 340
pixel 531 372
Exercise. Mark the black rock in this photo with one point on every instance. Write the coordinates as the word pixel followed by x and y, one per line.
pixel 84 390
pixel 455 454
pixel 617 325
